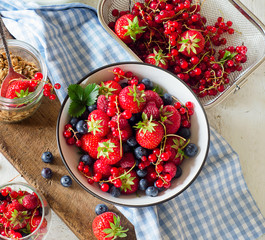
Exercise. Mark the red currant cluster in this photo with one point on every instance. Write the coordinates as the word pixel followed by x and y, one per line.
pixel 72 136
pixel 165 23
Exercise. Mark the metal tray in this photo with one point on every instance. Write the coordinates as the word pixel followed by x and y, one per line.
pixel 249 30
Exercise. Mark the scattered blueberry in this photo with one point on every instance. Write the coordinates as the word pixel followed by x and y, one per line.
pixel 115 192
pixel 101 208
pixel 167 99
pixel 191 150
pixel 81 127
pixel 132 142
pixel 148 83
pixel 140 151
pixel 141 172
pixel 73 121
pixel 86 159
pixel 179 172
pixel 151 191
pixel 125 147
pixel 47 157
pixel 143 184
pixel 46 173
pixel 184 132
pixel 92 107
pixel 66 181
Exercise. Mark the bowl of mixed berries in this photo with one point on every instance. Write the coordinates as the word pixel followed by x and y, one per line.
pixel 24 212
pixel 132 134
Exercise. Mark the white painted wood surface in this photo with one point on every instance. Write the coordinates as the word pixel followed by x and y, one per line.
pixel 240 119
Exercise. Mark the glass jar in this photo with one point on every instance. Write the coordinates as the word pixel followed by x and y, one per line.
pixel 43 217
pixel 15 110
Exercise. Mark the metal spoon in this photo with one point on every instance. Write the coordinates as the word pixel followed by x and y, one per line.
pixel 11 73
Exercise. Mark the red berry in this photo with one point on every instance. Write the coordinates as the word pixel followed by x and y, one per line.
pixel 57 85
pixel 159 183
pixel 52 97
pixel 38 76
pixel 104 187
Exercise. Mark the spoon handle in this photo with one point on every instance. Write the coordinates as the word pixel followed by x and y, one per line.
pixel 10 66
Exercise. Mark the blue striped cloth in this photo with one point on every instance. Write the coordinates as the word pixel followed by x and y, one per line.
pixel 217 205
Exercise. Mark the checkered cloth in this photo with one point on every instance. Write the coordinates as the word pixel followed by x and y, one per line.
pixel 217 205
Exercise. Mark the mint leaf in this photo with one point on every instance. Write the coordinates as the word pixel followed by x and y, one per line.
pixel 91 93
pixel 76 92
pixel 76 109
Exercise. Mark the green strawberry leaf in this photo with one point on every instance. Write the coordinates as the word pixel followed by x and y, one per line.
pixel 81 97
pixel 228 55
pixel 158 90
pixel 76 109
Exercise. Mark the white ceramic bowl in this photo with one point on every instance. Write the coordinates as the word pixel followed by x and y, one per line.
pixel 199 134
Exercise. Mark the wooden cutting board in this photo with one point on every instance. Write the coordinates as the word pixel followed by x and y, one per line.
pixel 23 144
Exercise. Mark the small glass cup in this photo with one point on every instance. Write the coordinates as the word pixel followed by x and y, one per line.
pixel 18 109
pixel 40 232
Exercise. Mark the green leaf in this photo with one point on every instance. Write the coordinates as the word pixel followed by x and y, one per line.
pixel 122 235
pixel 228 55
pixel 107 230
pixel 91 93
pixel 76 92
pixel 76 109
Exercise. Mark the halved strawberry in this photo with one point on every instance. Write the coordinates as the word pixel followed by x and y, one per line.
pixel 191 43
pixel 128 28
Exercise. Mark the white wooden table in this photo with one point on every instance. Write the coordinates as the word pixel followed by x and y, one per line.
pixel 239 119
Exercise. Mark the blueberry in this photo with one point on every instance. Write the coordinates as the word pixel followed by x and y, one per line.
pixel 66 181
pixel 159 189
pixel 81 127
pixel 143 184
pixel 141 173
pixel 191 150
pixel 184 132
pixel 124 84
pixel 86 159
pixel 148 83
pixel 46 173
pixel 47 157
pixel 125 147
pixel 140 151
pixel 85 115
pixel 179 172
pixel 135 118
pixel 101 208
pixel 167 99
pixel 93 107
pixel 115 192
pixel 2 197
pixel 151 191
pixel 132 142
pixel 73 121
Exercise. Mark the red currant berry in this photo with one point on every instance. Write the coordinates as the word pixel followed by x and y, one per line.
pixel 159 168
pixel 38 76
pixel 127 114
pixel 104 187
pixel 152 157
pixel 117 183
pixel 52 97
pixel 114 171
pixel 159 183
pixel 177 105
pixel 57 85
pixel 189 105
pixel 97 177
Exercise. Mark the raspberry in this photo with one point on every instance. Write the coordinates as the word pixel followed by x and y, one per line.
pixel 30 201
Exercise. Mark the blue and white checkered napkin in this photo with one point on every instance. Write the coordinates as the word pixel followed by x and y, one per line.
pixel 217 205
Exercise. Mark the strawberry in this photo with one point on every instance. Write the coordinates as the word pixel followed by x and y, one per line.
pixel 130 182
pixel 89 143
pixel 128 28
pixel 157 58
pixel 150 95
pixel 18 89
pixel 109 150
pixel 171 119
pixel 97 123
pixel 150 133
pixel 127 160
pixel 151 110
pixel 100 166
pixel 131 98
pixel 30 201
pixel 102 103
pixel 106 226
pixel 35 222
pixel 110 87
pixel 177 154
pixel 191 43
